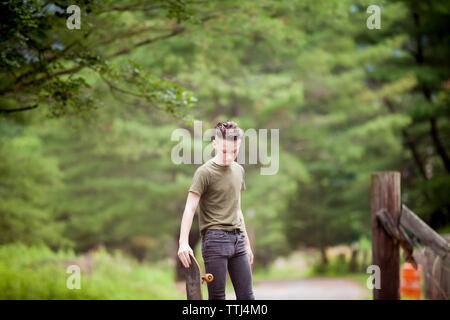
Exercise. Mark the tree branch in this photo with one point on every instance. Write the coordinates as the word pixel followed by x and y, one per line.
pixel 113 87
pixel 18 109
pixel 148 41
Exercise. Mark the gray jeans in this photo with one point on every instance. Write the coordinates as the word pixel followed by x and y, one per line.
pixel 225 250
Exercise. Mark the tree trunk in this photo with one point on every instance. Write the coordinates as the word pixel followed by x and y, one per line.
pixel 323 254
pixel 434 131
pixel 364 261
pixel 440 149
pixel 353 260
pixel 409 142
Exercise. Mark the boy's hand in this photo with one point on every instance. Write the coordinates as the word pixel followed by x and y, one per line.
pixel 183 254
pixel 250 254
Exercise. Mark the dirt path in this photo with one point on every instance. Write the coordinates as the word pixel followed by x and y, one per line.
pixel 308 289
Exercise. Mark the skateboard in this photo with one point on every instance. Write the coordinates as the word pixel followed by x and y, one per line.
pixel 194 280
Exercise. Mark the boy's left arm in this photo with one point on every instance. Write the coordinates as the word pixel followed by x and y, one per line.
pixel 247 241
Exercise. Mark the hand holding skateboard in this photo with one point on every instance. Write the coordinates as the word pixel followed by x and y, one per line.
pixel 194 280
pixel 184 253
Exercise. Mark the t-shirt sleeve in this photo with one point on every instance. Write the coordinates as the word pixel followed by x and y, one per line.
pixel 199 181
pixel 243 187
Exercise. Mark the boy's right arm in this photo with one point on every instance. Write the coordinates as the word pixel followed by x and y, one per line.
pixel 186 223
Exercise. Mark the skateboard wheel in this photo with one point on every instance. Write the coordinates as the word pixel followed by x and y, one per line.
pixel 209 277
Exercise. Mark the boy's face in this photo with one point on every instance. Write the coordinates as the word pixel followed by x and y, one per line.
pixel 226 150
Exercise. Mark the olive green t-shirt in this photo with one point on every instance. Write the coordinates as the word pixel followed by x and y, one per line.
pixel 219 188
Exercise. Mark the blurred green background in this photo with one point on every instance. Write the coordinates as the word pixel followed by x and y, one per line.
pixel 86 118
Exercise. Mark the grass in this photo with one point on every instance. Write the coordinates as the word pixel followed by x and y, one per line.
pixel 38 273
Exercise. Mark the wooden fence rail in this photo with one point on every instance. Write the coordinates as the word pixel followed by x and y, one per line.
pixel 388 222
pixel 423 232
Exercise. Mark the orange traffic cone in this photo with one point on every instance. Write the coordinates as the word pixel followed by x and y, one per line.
pixel 410 282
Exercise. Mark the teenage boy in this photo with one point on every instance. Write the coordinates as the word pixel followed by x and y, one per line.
pixel 216 188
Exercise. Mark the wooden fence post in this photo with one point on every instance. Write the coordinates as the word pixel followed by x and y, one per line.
pixel 385 194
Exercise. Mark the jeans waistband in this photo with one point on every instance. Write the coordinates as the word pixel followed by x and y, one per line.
pixel 234 231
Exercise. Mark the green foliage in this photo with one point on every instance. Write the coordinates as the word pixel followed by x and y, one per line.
pixel 28 181
pixel 42 60
pixel 38 273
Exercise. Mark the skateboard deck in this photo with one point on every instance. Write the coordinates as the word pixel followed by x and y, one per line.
pixel 194 280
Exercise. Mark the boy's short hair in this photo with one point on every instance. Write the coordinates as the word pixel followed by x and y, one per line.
pixel 228 130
